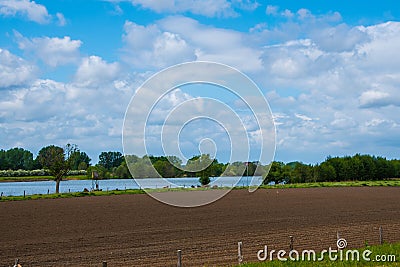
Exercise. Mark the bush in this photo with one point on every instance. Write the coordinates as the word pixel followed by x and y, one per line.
pixel 204 180
pixel 42 172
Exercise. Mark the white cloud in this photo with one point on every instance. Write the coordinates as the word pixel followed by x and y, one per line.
pixel 26 8
pixel 209 8
pixel 382 49
pixel 333 87
pixel 339 38
pixel 48 112
pixel 272 10
pixel 14 71
pixel 317 83
pixel 374 98
pixel 303 117
pixel 329 81
pixel 53 51
pixel 304 13
pixel 287 14
pixel 216 44
pixel 148 46
pixel 94 70
pixel 61 19
pixel 179 39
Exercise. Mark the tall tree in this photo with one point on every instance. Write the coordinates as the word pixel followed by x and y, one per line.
pixel 79 160
pixel 16 159
pixel 3 160
pixel 110 159
pixel 202 166
pixel 57 160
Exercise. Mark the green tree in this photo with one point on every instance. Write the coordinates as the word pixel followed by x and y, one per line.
pixel 275 173
pixel 302 173
pixel 110 159
pixel 204 179
pixel 396 166
pixel 16 159
pixel 79 157
pixel 122 171
pixel 236 168
pixel 325 172
pixel 202 167
pixel 102 172
pixel 57 161
pixel 82 166
pixel 3 160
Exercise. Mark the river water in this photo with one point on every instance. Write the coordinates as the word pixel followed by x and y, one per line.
pixel 48 187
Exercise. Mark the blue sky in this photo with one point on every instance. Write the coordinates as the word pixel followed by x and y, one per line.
pixel 330 70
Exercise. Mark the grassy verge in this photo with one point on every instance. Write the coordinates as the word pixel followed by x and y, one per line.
pixel 75 194
pixel 379 252
pixel 39 178
pixel 391 182
pixel 101 193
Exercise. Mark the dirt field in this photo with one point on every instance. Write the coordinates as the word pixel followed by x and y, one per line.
pixel 136 230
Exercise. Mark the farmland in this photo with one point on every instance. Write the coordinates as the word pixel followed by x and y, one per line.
pixel 139 231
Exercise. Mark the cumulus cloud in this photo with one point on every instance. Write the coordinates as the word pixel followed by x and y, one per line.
pixel 149 46
pixel 14 71
pixel 94 70
pixel 178 39
pixel 302 15
pixel 339 38
pixel 208 8
pixel 373 98
pixel 381 50
pixel 26 8
pixel 216 44
pixel 53 51
pixel 272 10
pixel 294 24
pixel 29 10
pixel 349 83
pixel 48 112
pixel 333 87
pixel 315 70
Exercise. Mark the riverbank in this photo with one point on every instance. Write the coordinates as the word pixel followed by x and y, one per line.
pixel 39 178
pixel 384 183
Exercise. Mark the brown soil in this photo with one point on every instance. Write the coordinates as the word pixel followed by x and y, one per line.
pixel 136 230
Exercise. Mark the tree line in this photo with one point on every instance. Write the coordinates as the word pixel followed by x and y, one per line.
pixel 22 159
pixel 59 161
pixel 115 165
pixel 335 169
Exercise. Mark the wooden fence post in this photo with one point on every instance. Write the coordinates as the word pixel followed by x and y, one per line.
pixel 291 242
pixel 240 255
pixel 179 258
pixel 380 235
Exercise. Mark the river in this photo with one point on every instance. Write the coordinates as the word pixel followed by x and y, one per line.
pixel 48 187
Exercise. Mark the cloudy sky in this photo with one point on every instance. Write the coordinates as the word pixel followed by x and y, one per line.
pixel 330 70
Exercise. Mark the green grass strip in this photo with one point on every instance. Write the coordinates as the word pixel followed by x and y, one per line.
pixel 389 252
pixel 391 182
